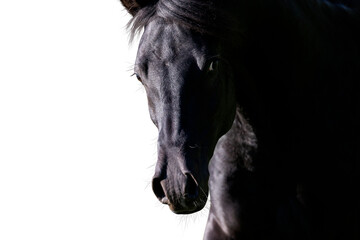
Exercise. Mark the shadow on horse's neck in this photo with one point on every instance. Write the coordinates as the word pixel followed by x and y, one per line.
pixel 233 151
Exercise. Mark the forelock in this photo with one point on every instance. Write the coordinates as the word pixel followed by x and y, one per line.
pixel 199 15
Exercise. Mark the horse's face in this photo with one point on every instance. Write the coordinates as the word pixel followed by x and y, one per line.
pixel 191 101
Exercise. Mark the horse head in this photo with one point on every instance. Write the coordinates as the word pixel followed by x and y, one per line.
pixel 191 99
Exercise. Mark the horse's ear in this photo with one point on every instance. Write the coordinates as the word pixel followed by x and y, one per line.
pixel 133 6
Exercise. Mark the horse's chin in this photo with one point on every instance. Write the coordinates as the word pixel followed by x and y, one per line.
pixel 190 206
pixel 193 208
pixel 184 211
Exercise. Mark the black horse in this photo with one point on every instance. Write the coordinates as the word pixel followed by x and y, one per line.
pixel 259 100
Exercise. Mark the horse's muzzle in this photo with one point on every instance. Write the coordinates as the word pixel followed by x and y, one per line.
pixel 182 195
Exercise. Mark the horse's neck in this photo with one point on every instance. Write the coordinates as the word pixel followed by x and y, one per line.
pixel 232 182
pixel 234 149
pixel 289 45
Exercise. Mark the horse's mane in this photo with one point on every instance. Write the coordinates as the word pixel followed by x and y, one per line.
pixel 207 16
pixel 345 3
pixel 203 16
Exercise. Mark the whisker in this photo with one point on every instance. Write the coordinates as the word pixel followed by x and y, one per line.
pixel 202 190
pixel 151 166
pixel 148 185
pixel 131 68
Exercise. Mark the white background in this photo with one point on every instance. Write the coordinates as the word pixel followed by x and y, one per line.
pixel 77 147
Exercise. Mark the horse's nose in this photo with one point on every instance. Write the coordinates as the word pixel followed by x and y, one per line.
pixel 157 186
pixel 188 185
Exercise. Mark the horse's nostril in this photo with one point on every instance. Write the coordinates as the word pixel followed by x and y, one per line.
pixel 191 187
pixel 158 190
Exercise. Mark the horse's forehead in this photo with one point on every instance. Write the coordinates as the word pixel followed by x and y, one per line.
pixel 167 30
pixel 169 41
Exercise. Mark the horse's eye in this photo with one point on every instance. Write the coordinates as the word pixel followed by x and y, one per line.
pixel 213 66
pixel 138 77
